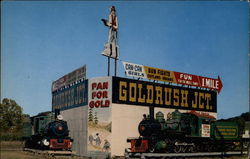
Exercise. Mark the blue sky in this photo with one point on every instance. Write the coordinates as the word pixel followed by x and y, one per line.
pixel 42 41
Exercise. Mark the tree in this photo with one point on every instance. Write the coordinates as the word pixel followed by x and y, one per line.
pixel 96 118
pixel 11 116
pixel 91 115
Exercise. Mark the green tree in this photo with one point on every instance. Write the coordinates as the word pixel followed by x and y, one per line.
pixel 91 115
pixel 96 118
pixel 11 117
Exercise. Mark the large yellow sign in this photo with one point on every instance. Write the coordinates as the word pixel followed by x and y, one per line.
pixel 136 92
pixel 159 74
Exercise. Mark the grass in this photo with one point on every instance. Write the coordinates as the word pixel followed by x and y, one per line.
pixel 11 145
pixel 18 155
pixel 13 150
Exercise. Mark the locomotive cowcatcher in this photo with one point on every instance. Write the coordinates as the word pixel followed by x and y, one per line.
pixel 184 132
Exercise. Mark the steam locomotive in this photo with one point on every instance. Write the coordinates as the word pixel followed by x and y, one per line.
pixel 185 132
pixel 49 134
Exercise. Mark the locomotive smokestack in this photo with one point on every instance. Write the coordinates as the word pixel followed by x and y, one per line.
pixel 57 112
pixel 151 112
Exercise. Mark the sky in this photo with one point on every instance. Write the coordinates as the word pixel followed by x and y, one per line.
pixel 44 40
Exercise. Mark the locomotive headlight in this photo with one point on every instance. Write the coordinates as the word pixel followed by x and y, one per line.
pixel 45 142
pixel 142 128
pixel 236 143
pixel 60 128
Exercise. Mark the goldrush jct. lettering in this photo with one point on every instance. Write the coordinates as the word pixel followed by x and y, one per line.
pixel 164 96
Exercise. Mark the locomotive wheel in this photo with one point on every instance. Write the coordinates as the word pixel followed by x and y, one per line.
pixel 208 148
pixel 199 148
pixel 232 147
pixel 191 148
pixel 245 144
pixel 170 145
pixel 177 148
pixel 184 148
pixel 151 149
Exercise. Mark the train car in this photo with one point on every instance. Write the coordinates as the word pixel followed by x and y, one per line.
pixel 40 121
pixel 49 134
pixel 26 128
pixel 184 132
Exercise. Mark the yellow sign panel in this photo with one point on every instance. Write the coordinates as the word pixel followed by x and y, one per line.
pixel 159 74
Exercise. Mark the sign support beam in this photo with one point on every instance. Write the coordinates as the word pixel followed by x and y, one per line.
pixel 115 66
pixel 108 66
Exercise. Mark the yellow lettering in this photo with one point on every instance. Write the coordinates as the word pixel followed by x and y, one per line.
pixel 150 96
pixel 141 99
pixel 195 101
pixel 184 96
pixel 176 97
pixel 168 92
pixel 208 98
pixel 201 97
pixel 158 95
pixel 123 91
pixel 132 92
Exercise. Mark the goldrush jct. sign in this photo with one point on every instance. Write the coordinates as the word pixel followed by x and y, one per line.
pixel 128 91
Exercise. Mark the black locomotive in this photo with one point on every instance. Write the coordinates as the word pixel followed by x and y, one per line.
pixel 185 132
pixel 49 133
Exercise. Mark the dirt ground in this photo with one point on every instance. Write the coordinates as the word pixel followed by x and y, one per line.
pixel 14 150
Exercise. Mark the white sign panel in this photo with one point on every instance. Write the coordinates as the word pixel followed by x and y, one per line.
pixel 134 70
pixel 100 92
pixel 205 130
pixel 99 116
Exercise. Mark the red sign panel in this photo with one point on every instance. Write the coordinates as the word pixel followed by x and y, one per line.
pixel 198 81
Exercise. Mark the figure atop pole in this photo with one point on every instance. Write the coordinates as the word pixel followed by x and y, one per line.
pixel 111 47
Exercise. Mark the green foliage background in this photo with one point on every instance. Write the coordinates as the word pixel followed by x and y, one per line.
pixel 11 120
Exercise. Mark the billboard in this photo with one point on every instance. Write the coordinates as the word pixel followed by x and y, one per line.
pixel 71 97
pixel 70 78
pixel 151 73
pixel 135 92
pixel 99 116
